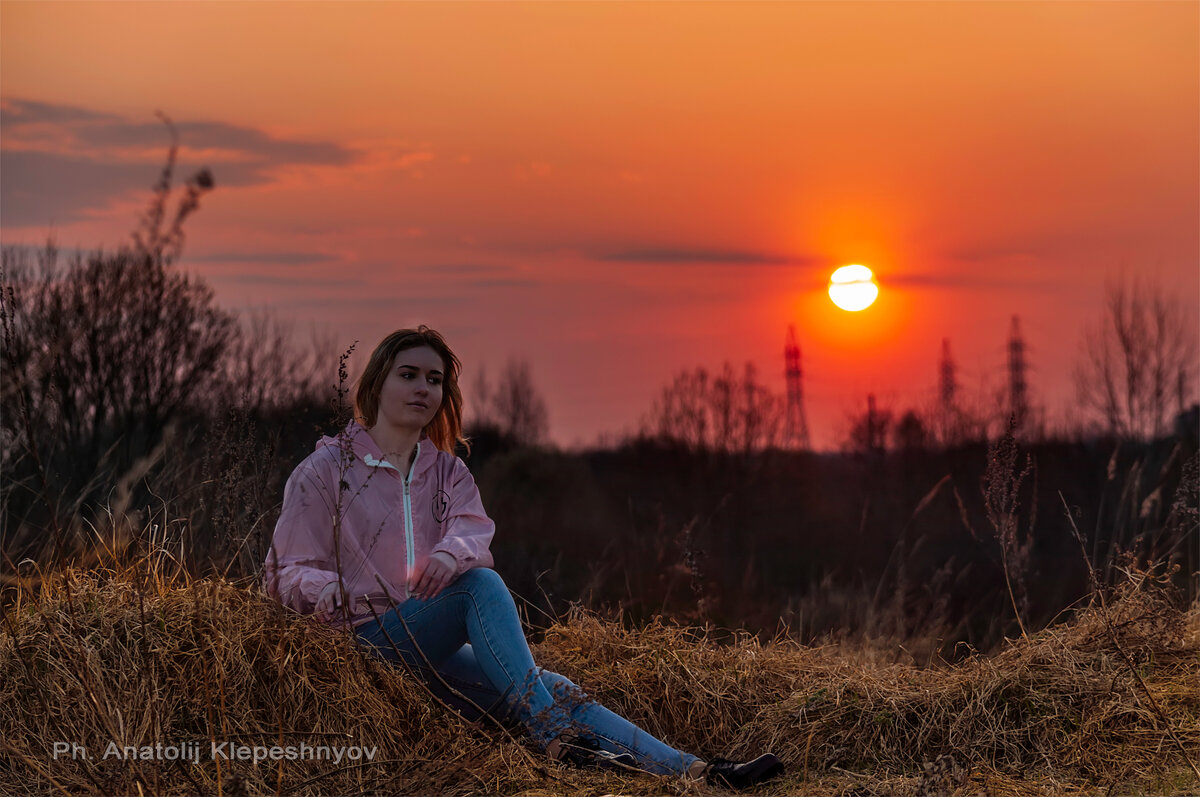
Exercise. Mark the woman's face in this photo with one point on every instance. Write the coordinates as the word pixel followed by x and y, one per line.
pixel 412 391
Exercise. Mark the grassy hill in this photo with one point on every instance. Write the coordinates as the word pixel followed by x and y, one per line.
pixel 1106 702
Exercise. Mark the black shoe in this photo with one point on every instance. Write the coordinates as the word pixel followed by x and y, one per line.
pixel 581 751
pixel 720 772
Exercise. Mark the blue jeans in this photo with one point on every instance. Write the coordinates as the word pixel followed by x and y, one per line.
pixel 471 636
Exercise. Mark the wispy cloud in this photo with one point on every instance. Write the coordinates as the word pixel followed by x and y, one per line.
pixel 285 258
pixel 246 278
pixel 477 275
pixel 513 282
pixel 43 189
pixel 372 303
pixel 977 281
pixel 461 269
pixel 15 113
pixel 80 132
pixel 989 255
pixel 61 161
pixel 690 256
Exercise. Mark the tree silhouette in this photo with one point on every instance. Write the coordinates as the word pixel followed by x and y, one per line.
pixel 513 407
pixel 1139 362
pixel 101 355
pixel 723 413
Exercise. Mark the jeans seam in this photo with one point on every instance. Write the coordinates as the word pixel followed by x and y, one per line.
pixel 492 648
pixel 513 685
pixel 482 625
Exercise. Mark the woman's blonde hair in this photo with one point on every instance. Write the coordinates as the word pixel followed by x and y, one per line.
pixel 445 430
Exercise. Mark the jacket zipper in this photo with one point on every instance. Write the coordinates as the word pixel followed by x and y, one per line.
pixel 410 554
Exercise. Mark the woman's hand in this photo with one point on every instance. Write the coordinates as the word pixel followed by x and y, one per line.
pixel 328 601
pixel 432 576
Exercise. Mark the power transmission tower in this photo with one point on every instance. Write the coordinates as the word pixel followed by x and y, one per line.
pixel 797 423
pixel 948 395
pixel 1018 389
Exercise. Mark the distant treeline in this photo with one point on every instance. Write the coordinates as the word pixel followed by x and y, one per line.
pixel 902 545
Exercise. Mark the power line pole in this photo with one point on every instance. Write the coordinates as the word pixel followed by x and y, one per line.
pixel 797 423
pixel 948 396
pixel 1018 388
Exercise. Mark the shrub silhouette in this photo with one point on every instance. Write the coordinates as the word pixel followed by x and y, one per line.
pixel 99 357
pixel 103 356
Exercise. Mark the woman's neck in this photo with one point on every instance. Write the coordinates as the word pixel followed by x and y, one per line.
pixel 397 444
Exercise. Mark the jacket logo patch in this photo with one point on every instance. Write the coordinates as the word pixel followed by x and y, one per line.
pixel 441 506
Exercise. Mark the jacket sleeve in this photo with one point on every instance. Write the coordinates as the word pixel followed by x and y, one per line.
pixel 469 530
pixel 300 562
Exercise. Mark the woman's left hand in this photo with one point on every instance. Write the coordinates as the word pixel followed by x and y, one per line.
pixel 432 576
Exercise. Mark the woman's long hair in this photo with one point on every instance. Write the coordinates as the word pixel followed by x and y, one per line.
pixel 445 430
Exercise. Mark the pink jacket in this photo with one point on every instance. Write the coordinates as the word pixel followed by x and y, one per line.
pixel 389 521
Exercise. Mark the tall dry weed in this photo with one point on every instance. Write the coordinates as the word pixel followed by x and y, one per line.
pixel 1002 484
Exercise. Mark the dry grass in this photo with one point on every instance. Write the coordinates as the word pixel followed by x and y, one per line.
pixel 133 658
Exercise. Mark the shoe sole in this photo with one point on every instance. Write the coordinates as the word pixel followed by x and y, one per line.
pixel 758 771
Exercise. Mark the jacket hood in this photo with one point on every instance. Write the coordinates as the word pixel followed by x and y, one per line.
pixel 362 444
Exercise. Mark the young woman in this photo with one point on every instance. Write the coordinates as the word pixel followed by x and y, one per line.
pixel 382 531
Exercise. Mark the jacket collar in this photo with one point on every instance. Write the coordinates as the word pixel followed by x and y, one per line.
pixel 366 449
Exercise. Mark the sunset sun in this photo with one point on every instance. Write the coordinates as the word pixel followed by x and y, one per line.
pixel 853 288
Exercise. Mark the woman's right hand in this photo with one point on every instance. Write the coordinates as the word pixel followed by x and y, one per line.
pixel 328 601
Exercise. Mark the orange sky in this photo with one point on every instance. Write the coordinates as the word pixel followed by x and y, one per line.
pixel 616 191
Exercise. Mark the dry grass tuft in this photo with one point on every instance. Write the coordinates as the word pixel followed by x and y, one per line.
pixel 1060 707
pixel 94 657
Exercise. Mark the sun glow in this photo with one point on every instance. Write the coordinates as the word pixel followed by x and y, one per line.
pixel 853 288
